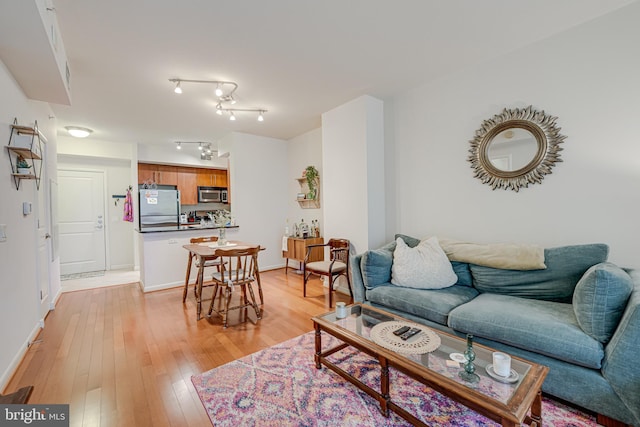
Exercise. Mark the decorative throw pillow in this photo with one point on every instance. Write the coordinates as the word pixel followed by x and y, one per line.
pixel 424 267
pixel 600 298
pixel 376 265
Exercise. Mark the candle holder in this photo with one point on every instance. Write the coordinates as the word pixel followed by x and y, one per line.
pixel 469 374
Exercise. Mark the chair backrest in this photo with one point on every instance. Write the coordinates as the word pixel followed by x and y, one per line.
pixel 204 239
pixel 343 253
pixel 238 265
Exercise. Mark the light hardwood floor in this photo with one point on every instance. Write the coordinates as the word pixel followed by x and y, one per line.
pixel 120 357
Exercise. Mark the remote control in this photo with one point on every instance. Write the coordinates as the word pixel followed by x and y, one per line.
pixel 410 333
pixel 401 330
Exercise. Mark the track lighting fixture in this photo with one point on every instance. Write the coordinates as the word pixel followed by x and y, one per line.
pixel 204 148
pixel 225 92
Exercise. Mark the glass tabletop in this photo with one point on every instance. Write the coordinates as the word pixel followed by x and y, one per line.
pixel 361 319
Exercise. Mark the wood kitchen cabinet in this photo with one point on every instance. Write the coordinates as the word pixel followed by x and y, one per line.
pixel 187 179
pixel 160 174
pixel 297 250
pixel 146 173
pixel 212 178
pixel 187 185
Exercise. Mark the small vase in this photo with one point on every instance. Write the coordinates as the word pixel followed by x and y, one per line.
pixel 222 238
pixel 469 368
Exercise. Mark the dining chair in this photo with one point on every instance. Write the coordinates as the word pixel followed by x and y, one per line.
pixel 208 263
pixel 336 266
pixel 238 270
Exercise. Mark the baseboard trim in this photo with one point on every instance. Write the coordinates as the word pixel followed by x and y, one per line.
pixel 17 359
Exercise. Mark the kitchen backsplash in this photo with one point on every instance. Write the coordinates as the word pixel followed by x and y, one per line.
pixel 205 207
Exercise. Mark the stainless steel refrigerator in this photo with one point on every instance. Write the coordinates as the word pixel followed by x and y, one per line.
pixel 159 209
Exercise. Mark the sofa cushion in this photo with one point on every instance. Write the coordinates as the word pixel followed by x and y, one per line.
pixel 461 269
pixel 565 266
pixel 600 299
pixel 425 267
pixel 544 327
pixel 433 305
pixel 376 266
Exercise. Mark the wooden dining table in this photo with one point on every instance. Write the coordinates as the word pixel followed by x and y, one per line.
pixel 208 251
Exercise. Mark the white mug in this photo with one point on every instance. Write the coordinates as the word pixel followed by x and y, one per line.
pixel 341 310
pixel 502 364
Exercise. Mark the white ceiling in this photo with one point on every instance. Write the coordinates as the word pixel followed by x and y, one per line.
pixel 295 58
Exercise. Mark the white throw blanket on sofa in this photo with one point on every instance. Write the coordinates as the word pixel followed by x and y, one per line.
pixel 508 256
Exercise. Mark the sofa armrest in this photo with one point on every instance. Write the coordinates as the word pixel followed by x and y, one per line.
pixel 619 367
pixel 357 282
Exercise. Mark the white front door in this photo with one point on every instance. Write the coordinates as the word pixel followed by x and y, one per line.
pixel 81 221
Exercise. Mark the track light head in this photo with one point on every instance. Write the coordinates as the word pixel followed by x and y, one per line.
pixel 178 89
pixel 200 146
pixel 260 117
pixel 218 91
pixel 179 146
pixel 232 117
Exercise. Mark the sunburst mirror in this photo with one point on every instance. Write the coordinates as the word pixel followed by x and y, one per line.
pixel 515 148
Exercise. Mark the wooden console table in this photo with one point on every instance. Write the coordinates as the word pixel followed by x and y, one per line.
pixel 297 250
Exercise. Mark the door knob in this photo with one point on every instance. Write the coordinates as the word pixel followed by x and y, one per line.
pixel 47 236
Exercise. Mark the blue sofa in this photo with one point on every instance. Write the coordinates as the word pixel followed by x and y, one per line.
pixel 580 317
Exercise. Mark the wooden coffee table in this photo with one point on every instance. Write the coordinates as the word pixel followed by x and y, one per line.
pixel 506 403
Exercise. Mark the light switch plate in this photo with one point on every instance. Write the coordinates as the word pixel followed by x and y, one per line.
pixel 26 208
pixel 3 232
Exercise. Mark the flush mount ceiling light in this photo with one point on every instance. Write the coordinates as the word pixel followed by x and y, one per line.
pixel 78 132
pixel 225 93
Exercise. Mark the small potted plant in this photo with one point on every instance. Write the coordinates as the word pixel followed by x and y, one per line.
pixel 311 173
pixel 22 167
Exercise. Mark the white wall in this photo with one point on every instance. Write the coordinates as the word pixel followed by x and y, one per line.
pixel 259 197
pixel 19 300
pixel 353 182
pixel 303 150
pixel 588 77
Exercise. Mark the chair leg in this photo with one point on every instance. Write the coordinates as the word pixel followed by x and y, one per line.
pixel 213 298
pixel 349 284
pixel 330 290
pixel 304 284
pixel 226 307
pixel 253 300
pixel 259 288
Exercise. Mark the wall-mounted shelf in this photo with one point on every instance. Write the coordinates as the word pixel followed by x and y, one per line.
pixel 304 189
pixel 25 142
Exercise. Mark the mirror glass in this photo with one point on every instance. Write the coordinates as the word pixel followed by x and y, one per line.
pixel 512 149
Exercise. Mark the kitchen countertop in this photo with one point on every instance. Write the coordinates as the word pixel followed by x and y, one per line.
pixel 185 227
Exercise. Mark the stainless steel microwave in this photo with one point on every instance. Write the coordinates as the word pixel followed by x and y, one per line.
pixel 212 195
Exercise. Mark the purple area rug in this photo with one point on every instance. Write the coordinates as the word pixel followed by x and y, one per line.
pixel 280 386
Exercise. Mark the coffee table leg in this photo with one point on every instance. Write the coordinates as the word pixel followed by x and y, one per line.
pixel 536 410
pixel 318 346
pixel 384 386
